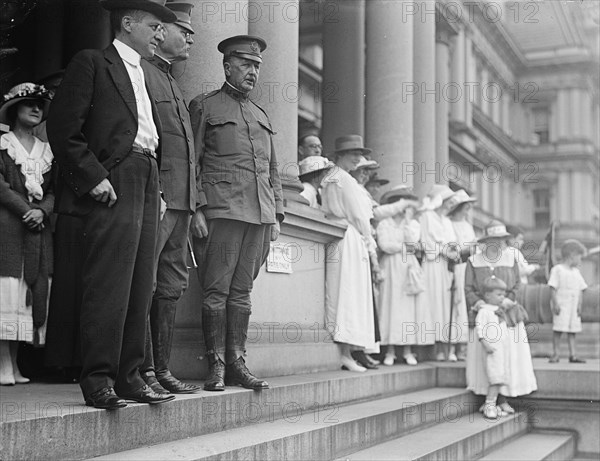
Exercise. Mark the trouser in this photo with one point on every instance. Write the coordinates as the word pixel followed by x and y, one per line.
pixel 231 256
pixel 117 277
pixel 171 282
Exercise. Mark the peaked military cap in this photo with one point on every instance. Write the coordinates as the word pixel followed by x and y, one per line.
pixel 243 46
pixel 183 11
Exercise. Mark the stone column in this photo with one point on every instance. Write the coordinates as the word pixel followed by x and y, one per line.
pixel 562 113
pixel 485 104
pixel 389 77
pixel 564 196
pixel 343 86
pixel 212 22
pixel 471 71
pixel 442 72
pixel 424 105
pixel 458 76
pixel 279 95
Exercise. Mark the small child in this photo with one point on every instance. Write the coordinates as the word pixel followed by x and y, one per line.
pixel 492 332
pixel 567 285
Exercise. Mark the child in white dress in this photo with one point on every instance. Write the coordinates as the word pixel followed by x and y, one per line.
pixel 492 333
pixel 567 286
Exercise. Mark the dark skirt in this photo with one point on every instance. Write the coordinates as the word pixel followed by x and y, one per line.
pixel 62 338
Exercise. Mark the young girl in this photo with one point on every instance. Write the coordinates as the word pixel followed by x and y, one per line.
pixel 567 285
pixel 490 326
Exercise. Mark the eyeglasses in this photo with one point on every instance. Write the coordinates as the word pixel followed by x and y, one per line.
pixel 187 35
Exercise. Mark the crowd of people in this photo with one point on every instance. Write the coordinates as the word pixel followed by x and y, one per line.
pixel 139 180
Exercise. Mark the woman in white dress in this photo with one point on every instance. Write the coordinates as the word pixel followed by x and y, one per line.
pixel 349 291
pixel 403 309
pixel 26 202
pixel 460 206
pixel 439 245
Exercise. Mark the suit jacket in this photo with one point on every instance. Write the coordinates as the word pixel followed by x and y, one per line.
pixel 91 125
pixel 234 145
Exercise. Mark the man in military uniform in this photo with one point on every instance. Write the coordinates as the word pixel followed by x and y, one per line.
pixel 241 197
pixel 178 185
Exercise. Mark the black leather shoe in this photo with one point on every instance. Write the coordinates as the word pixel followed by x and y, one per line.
pixel 154 384
pixel 361 358
pixel 215 380
pixel 105 399
pixel 145 394
pixel 173 385
pixel 238 374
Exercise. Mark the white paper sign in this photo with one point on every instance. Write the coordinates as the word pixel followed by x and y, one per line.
pixel 280 258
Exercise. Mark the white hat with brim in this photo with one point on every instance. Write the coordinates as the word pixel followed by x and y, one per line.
pixel 399 192
pixel 156 7
pixel 494 230
pixel 459 198
pixel 313 164
pixel 24 92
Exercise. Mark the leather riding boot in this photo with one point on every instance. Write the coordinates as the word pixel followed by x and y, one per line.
pixel 214 326
pixel 238 374
pixel 237 332
pixel 162 324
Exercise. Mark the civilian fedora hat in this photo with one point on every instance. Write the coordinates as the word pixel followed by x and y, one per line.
pixel 156 7
pixel 349 143
pixel 243 46
pixel 183 11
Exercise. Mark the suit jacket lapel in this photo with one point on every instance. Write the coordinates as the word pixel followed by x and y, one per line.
pixel 121 78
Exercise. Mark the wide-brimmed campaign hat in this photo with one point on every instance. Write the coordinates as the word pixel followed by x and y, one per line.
pixel 398 192
pixel 156 7
pixel 243 46
pixel 183 11
pixel 349 143
pixel 23 92
pixel 494 230
pixel 314 163
pixel 459 197
pixel 367 164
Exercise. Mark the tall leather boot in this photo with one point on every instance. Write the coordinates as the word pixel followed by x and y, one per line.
pixel 236 372
pixel 214 326
pixel 162 323
pixel 147 368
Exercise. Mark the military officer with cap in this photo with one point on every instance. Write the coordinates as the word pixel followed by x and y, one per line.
pixel 241 198
pixel 178 185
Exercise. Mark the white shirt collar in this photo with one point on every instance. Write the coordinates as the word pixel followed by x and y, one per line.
pixel 127 53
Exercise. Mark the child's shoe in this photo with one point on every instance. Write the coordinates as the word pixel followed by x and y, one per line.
pixel 574 359
pixel 490 411
pixel 554 359
pixel 506 408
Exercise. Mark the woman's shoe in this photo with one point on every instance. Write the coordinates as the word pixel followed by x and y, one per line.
pixel 574 359
pixel 490 411
pixel 506 408
pixel 389 360
pixel 20 379
pixel 410 359
pixel 554 359
pixel 372 361
pixel 351 365
pixel 440 357
pixel 361 358
pixel 452 357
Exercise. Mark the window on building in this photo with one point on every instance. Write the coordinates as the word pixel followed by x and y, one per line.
pixel 541 124
pixel 541 208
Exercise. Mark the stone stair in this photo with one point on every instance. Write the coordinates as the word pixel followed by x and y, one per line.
pixel 398 412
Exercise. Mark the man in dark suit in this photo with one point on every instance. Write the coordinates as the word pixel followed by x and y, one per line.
pixel 178 182
pixel 240 196
pixel 104 132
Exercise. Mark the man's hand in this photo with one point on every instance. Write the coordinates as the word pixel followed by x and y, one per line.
pixel 34 218
pixel 275 230
pixel 198 226
pixel 163 208
pixel 104 192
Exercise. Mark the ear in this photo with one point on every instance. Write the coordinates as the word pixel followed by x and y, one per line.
pixel 126 23
pixel 227 68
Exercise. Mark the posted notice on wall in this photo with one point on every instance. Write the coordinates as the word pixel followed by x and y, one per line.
pixel 280 258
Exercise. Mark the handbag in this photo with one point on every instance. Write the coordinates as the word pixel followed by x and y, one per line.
pixel 414 283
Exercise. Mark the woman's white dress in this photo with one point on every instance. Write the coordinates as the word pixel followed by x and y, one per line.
pixel 348 287
pixel 465 237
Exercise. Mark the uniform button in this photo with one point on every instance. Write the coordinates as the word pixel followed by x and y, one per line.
pixel 191 162
pixel 252 138
pixel 118 160
pixel 177 98
pixel 188 139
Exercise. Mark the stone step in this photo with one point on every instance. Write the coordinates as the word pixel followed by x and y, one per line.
pixel 324 435
pixel 587 341
pixel 63 428
pixel 536 446
pixel 465 438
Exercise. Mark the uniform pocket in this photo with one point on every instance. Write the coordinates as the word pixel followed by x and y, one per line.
pixel 221 133
pixel 217 187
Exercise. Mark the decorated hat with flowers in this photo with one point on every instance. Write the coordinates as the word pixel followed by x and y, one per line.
pixel 23 92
